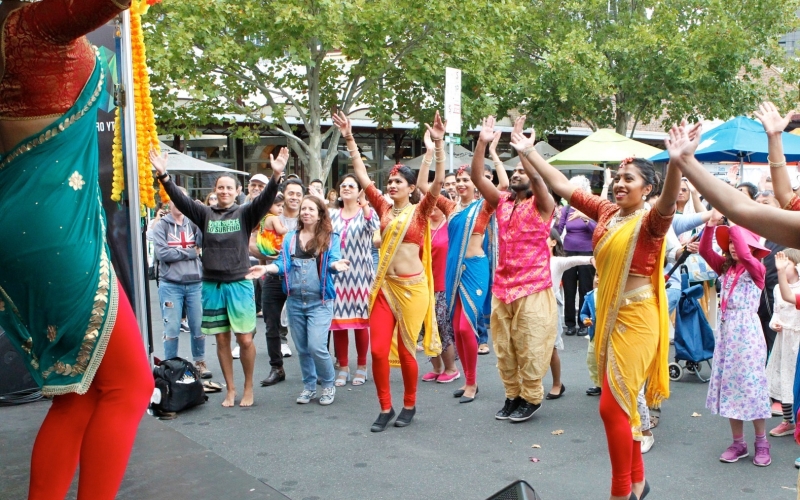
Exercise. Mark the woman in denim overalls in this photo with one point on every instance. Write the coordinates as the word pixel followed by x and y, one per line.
pixel 310 256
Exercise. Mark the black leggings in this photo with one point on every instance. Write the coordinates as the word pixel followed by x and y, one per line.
pixel 272 300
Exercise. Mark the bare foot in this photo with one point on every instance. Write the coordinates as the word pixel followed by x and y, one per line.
pixel 229 398
pixel 247 398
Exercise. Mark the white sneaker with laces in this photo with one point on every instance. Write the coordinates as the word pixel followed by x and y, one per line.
pixel 647 443
pixel 235 352
pixel 327 396
pixel 286 352
pixel 306 396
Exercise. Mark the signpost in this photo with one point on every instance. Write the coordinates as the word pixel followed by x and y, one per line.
pixel 452 107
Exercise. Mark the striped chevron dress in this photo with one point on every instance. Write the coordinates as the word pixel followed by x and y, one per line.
pixel 351 308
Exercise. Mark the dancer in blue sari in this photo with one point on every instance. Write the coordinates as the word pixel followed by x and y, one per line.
pixel 467 274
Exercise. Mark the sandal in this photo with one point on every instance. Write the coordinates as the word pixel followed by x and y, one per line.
pixel 483 349
pixel 360 378
pixel 342 378
pixel 209 386
pixel 654 421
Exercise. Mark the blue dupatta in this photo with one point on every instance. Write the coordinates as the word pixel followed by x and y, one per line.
pixel 58 291
pixel 469 277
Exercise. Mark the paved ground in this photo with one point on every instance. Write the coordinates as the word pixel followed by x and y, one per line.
pixel 461 451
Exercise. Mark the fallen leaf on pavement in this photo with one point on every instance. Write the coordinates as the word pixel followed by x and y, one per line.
pixel 536 446
pixel 557 433
pixel 534 459
pixel 695 414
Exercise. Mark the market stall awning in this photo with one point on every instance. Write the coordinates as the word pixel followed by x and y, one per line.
pixel 603 146
pixel 185 164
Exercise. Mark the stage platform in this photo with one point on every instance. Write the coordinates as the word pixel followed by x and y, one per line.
pixel 164 465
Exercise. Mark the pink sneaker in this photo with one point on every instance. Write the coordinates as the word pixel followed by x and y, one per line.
pixel 762 458
pixel 735 452
pixel 783 429
pixel 444 378
pixel 431 377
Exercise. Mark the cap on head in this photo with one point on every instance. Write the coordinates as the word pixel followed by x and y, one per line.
pixel 259 178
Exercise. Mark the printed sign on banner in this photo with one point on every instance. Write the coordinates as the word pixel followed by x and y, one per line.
pixel 452 100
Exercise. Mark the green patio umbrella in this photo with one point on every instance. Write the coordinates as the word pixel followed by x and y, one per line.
pixel 603 146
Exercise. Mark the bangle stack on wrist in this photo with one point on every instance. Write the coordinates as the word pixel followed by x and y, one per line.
pixel 776 164
pixel 527 151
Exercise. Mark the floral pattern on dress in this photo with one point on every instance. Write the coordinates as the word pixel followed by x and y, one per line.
pixel 783 358
pixel 738 385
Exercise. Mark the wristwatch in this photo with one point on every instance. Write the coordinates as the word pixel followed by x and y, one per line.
pixel 162 176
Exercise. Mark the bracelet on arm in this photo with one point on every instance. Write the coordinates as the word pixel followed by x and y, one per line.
pixel 527 151
pixel 162 176
pixel 776 164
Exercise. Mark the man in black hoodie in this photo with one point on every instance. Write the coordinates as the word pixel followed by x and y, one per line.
pixel 228 298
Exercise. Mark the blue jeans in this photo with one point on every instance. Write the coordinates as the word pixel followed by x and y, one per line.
pixel 309 322
pixel 172 297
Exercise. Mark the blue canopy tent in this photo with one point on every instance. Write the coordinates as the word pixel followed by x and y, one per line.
pixel 740 139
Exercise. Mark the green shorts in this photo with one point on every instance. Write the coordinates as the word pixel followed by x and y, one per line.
pixel 228 307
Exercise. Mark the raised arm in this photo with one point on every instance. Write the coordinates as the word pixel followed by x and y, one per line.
pixel 706 249
pixel 751 264
pixel 774 125
pixel 781 263
pixel 608 178
pixel 342 122
pixel 196 212
pixel 62 21
pixel 776 225
pixel 544 200
pixel 422 176
pixel 502 175
pixel 551 176
pixel 489 192
pixel 437 132
pixel 676 145
pixel 258 208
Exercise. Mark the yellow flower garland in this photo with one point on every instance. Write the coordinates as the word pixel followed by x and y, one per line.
pixel 118 183
pixel 146 135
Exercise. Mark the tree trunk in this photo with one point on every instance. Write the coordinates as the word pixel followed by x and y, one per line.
pixel 622 119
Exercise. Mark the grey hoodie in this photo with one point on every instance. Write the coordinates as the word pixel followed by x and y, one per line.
pixel 176 248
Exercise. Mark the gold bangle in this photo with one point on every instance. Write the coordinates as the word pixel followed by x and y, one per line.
pixel 348 137
pixel 777 164
pixel 353 151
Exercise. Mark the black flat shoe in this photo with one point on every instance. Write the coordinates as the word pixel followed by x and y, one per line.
pixel 645 490
pixel 383 420
pixel 570 331
pixel 458 393
pixel 556 396
pixel 467 399
pixel 405 417
pixel 593 391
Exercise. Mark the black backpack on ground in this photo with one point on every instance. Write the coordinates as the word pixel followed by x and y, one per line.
pixel 180 386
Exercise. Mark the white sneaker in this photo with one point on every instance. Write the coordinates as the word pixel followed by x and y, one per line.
pixel 647 443
pixel 327 396
pixel 306 396
pixel 235 352
pixel 286 352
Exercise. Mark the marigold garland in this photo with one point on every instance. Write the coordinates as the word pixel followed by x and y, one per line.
pixel 118 182
pixel 146 135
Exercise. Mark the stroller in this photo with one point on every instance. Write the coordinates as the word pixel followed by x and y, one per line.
pixel 694 338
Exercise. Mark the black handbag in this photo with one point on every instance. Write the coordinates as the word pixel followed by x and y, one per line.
pixel 180 386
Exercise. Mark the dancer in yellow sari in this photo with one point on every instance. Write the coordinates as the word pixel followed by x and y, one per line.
pixel 631 337
pixel 402 298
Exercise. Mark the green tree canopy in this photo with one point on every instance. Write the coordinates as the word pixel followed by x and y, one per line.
pixel 608 63
pixel 309 56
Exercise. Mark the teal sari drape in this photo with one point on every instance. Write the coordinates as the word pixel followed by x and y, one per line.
pixel 466 276
pixel 58 292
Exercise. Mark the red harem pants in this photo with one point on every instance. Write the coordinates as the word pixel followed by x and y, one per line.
pixel 627 466
pixel 98 428
pixel 381 327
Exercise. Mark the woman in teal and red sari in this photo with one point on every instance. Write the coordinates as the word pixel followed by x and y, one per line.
pixel 467 275
pixel 60 304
